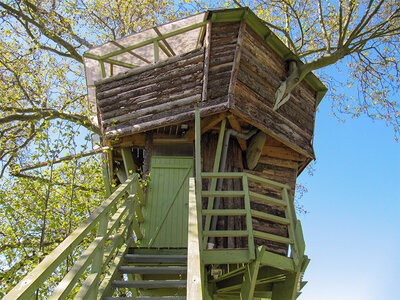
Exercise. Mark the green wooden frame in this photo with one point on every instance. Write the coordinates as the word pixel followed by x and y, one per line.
pixel 295 239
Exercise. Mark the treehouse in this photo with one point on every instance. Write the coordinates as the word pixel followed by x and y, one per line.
pixel 196 108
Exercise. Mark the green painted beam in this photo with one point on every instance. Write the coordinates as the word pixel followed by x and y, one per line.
pixel 250 276
pixel 249 220
pixel 225 256
pixel 269 217
pixel 225 233
pixel 267 199
pixel 223 212
pixel 217 159
pixel 255 178
pixel 150 41
pixel 217 174
pixel 277 261
pixel 272 237
pixel 223 194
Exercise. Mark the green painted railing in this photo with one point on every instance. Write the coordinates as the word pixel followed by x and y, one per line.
pixel 116 220
pixel 295 236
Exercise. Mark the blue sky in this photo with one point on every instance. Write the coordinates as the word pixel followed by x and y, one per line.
pixel 352 228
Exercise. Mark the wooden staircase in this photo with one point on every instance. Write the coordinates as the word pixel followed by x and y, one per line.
pixel 147 275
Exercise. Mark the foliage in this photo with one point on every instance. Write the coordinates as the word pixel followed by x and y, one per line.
pixel 361 36
pixel 44 114
pixel 44 110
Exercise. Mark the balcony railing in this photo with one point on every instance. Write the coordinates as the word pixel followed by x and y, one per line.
pixel 294 241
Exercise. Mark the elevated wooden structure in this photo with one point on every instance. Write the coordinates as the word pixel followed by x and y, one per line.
pixel 192 104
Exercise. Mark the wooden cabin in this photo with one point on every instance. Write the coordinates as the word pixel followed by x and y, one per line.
pixel 144 89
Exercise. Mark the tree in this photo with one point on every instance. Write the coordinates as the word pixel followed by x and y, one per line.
pixel 44 112
pixel 44 115
pixel 361 36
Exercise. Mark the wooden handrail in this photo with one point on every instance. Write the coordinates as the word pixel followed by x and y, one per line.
pixel 34 280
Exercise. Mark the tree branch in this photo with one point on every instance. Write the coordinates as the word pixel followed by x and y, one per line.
pixel 32 114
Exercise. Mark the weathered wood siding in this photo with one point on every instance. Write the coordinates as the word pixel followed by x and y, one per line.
pixel 222 52
pixel 151 96
pixel 259 73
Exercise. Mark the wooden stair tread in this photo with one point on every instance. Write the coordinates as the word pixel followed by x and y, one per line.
pixel 155 284
pixel 147 297
pixel 142 258
pixel 153 269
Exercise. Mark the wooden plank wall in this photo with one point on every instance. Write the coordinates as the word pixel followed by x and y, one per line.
pixel 259 75
pixel 151 96
pixel 223 45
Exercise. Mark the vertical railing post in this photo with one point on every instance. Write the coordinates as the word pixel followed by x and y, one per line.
pixel 197 142
pixel 291 215
pixel 194 278
pixel 249 221
pixel 198 188
pixel 97 263
pixel 217 159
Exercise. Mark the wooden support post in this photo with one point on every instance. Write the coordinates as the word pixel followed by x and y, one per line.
pixel 249 221
pixel 106 179
pixel 213 186
pixel 130 168
pixel 97 263
pixel 156 51
pixel 102 68
pixel 250 276
pixel 198 189
pixel 194 281
pixel 207 43
pixel 286 290
pixel 291 215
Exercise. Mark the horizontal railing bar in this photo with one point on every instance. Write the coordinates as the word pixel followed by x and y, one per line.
pixel 267 199
pixel 225 233
pixel 223 212
pixel 34 279
pixel 222 175
pixel 272 237
pixel 222 194
pixel 259 179
pixel 269 217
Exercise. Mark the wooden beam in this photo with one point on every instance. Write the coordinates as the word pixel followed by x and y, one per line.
pixel 217 159
pixel 250 276
pixel 236 125
pixel 206 124
pixel 282 153
pixel 136 140
pixel 254 150
pixel 207 46
pixel 194 283
pixel 279 162
pixel 131 52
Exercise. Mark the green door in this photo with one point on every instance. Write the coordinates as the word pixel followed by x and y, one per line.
pixel 166 210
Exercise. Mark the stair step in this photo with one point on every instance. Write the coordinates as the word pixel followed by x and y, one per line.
pixel 159 259
pixel 148 297
pixel 153 270
pixel 155 284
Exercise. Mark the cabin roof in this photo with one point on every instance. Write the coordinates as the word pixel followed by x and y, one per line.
pixel 160 42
